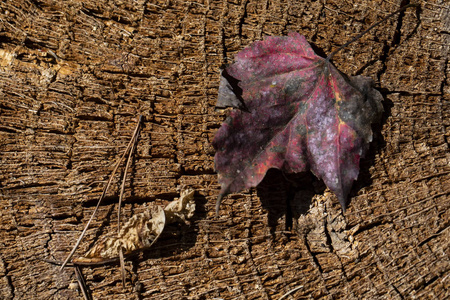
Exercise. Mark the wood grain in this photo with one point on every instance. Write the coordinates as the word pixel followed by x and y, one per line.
pixel 74 76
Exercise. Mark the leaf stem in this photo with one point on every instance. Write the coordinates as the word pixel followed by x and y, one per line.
pixel 329 57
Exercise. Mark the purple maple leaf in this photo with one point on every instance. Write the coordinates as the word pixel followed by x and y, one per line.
pixel 300 114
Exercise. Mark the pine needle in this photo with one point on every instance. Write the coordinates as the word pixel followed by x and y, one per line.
pixel 102 195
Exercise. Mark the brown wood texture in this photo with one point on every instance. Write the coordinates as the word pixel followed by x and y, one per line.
pixel 74 77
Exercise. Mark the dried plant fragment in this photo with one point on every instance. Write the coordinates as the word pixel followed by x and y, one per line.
pixel 140 232
pixel 181 209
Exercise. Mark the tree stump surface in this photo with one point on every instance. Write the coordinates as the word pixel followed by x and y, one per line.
pixel 75 76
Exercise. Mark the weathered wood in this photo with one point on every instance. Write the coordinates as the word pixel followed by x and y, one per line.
pixel 74 76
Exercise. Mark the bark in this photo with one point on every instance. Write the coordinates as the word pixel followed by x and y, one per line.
pixel 74 77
